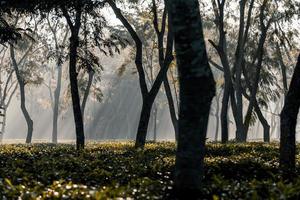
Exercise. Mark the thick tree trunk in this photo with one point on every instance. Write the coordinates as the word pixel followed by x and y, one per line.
pixel 288 121
pixel 197 88
pixel 56 104
pixel 143 123
pixel 241 136
pixel 74 42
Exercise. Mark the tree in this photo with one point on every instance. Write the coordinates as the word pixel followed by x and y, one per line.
pixel 56 52
pixel 74 44
pixel 246 58
pixel 288 121
pixel 8 87
pixel 148 96
pixel 197 89
pixel 151 24
pixel 27 70
pixel 8 32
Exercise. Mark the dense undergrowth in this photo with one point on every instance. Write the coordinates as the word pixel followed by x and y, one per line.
pixel 116 170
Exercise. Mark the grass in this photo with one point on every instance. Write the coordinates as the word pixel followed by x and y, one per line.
pixel 116 170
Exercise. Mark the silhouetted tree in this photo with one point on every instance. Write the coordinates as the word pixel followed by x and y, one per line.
pixel 148 96
pixel 288 121
pixel 197 89
pixel 75 25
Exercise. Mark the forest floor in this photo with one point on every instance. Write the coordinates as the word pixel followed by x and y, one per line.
pixel 111 170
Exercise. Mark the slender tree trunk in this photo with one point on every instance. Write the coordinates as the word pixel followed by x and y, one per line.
pixel 239 54
pixel 288 121
pixel 56 104
pixel 197 88
pixel 224 114
pixel 3 123
pixel 217 117
pixel 161 55
pixel 26 114
pixel 283 69
pixel 147 96
pixel 22 95
pixel 263 122
pixel 171 107
pixel 74 43
pixel 154 122
pixel 155 125
pixel 273 120
pixel 254 88
pixel 87 92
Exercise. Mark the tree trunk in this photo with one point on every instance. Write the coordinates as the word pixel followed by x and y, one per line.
pixel 224 114
pixel 197 88
pixel 26 114
pixel 87 92
pixel 154 121
pixel 217 118
pixel 162 58
pixel 74 43
pixel 263 122
pixel 283 69
pixel 143 123
pixel 288 121
pixel 3 123
pixel 22 95
pixel 56 104
pixel 171 107
pixel 148 96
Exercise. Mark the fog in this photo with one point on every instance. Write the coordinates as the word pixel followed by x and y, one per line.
pixel 116 116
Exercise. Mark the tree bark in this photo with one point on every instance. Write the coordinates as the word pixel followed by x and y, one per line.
pixel 197 88
pixel 288 121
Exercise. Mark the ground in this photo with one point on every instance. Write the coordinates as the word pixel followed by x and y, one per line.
pixel 111 170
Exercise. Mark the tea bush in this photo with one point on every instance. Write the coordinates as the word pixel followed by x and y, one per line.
pixel 117 170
